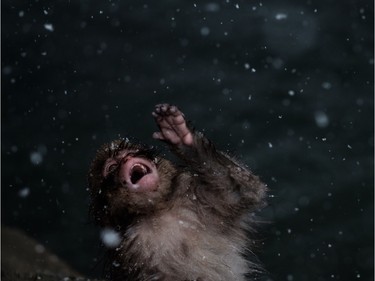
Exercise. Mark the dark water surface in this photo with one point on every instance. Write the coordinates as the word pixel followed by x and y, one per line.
pixel 286 85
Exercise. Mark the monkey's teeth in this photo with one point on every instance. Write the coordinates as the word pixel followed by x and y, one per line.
pixel 137 172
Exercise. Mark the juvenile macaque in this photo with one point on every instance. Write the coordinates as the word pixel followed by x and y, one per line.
pixel 177 223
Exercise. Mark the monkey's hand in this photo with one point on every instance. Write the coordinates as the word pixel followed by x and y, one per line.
pixel 172 125
pixel 220 174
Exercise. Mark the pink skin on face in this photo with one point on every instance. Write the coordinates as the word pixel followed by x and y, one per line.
pixel 137 174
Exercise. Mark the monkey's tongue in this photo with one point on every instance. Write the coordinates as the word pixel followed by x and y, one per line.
pixel 141 175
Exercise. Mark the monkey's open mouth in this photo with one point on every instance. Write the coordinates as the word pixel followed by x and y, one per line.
pixel 139 174
pixel 138 171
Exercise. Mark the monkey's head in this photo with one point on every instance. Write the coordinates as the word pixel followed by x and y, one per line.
pixel 127 179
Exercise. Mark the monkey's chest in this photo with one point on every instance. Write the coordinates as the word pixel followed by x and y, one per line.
pixel 182 246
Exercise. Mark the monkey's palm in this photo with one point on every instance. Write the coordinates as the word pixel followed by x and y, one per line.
pixel 172 125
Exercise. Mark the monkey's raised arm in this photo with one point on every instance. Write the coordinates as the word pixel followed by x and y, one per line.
pixel 223 176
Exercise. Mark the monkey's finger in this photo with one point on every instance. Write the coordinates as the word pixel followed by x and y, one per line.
pixel 156 115
pixel 161 104
pixel 170 110
pixel 173 110
pixel 165 109
pixel 177 123
pixel 158 136
pixel 161 120
pixel 163 124
pixel 168 135
pixel 160 108
pixel 184 133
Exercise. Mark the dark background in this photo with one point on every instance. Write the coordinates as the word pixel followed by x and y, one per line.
pixel 286 85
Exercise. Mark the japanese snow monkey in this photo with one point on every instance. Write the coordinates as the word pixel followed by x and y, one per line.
pixel 175 222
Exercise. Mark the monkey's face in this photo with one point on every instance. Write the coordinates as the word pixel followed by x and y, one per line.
pixel 128 179
pixel 133 170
